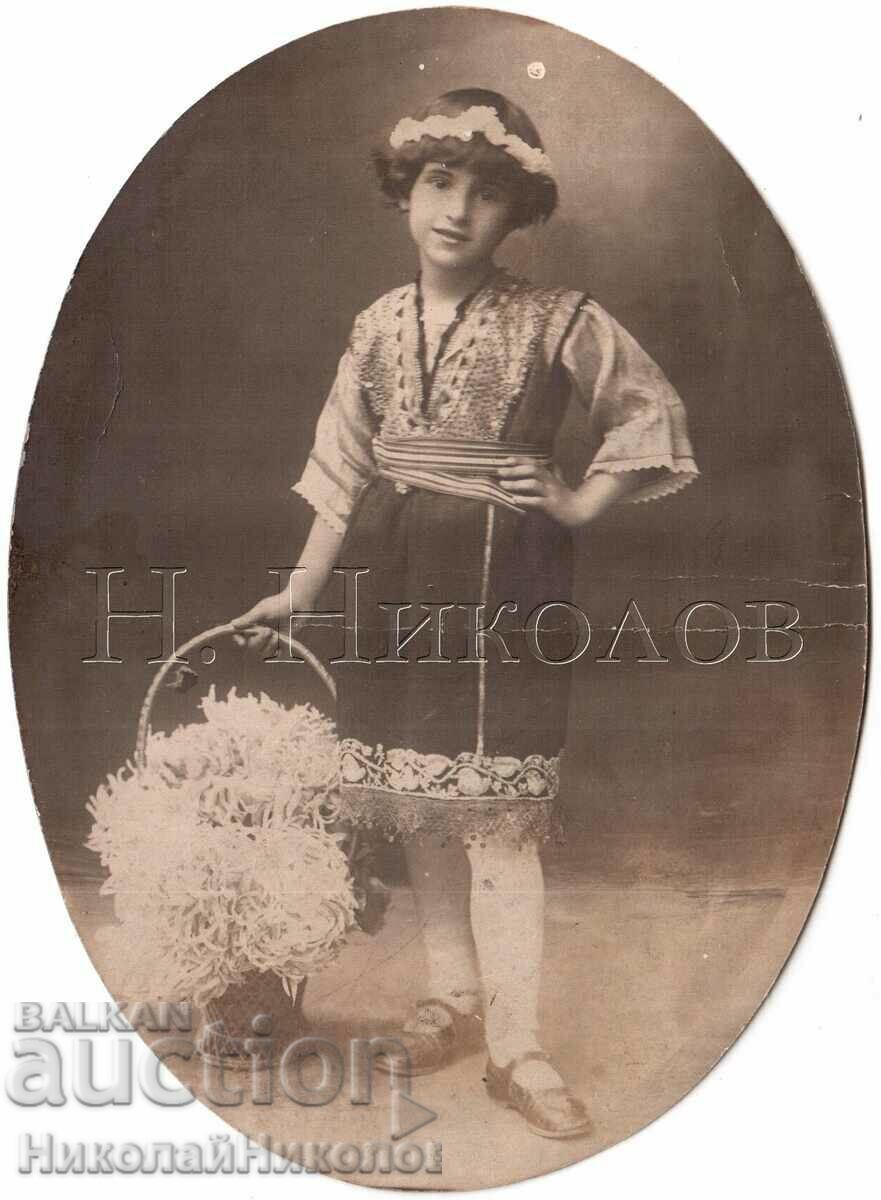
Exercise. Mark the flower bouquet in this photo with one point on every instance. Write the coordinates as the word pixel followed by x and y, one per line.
pixel 229 876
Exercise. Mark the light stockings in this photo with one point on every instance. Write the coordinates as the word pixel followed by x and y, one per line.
pixel 507 922
pixel 500 913
pixel 440 881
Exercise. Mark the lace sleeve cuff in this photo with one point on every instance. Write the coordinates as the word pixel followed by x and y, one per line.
pixel 341 460
pixel 628 401
pixel 327 498
pixel 656 441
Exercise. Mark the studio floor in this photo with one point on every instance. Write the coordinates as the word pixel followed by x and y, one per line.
pixel 645 987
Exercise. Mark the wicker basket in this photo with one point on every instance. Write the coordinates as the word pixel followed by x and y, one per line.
pixel 228 1021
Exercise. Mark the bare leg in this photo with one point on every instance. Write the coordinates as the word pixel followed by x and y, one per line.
pixel 507 919
pixel 440 880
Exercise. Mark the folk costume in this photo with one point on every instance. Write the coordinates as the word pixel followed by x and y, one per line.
pixel 455 733
pixel 466 743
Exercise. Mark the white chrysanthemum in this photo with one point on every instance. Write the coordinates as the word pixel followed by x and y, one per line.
pixel 219 851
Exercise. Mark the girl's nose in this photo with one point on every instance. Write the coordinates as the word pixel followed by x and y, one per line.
pixel 457 204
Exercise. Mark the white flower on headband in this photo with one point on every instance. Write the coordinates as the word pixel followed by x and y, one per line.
pixel 480 118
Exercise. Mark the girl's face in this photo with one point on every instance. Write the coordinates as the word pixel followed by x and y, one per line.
pixel 457 219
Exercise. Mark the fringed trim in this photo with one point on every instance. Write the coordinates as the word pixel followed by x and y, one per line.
pixel 404 793
pixel 393 815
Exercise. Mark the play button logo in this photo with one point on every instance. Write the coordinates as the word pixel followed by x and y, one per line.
pixel 408 1115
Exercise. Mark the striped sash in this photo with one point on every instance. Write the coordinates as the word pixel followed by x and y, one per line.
pixel 455 466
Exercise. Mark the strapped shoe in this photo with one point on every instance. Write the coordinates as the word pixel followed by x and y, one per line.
pixel 551 1112
pixel 437 1035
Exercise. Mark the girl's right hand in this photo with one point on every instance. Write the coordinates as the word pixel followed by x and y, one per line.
pixel 256 627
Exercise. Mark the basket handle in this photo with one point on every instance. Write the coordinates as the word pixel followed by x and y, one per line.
pixel 194 644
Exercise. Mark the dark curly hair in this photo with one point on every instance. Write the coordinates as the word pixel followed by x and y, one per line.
pixel 534 195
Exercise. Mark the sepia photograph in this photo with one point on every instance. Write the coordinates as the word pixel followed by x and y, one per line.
pixel 438 602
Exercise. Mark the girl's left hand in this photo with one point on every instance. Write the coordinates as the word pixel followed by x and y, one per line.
pixel 535 486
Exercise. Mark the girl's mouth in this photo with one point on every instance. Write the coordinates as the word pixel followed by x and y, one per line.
pixel 451 235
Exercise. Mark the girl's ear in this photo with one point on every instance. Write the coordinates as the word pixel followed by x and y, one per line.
pixel 403 205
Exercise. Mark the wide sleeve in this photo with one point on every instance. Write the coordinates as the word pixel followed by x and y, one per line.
pixel 630 406
pixel 341 460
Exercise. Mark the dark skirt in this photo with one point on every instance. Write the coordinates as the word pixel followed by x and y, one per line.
pixel 460 748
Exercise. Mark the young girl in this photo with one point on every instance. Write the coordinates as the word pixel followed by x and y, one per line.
pixel 432 467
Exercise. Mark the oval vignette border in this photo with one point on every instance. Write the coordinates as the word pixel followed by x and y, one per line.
pixel 87 350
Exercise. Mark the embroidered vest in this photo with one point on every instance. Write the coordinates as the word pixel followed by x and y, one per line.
pixel 503 351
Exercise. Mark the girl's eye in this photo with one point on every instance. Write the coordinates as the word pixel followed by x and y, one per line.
pixel 492 194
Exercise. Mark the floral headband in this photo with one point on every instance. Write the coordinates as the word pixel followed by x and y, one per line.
pixel 478 119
